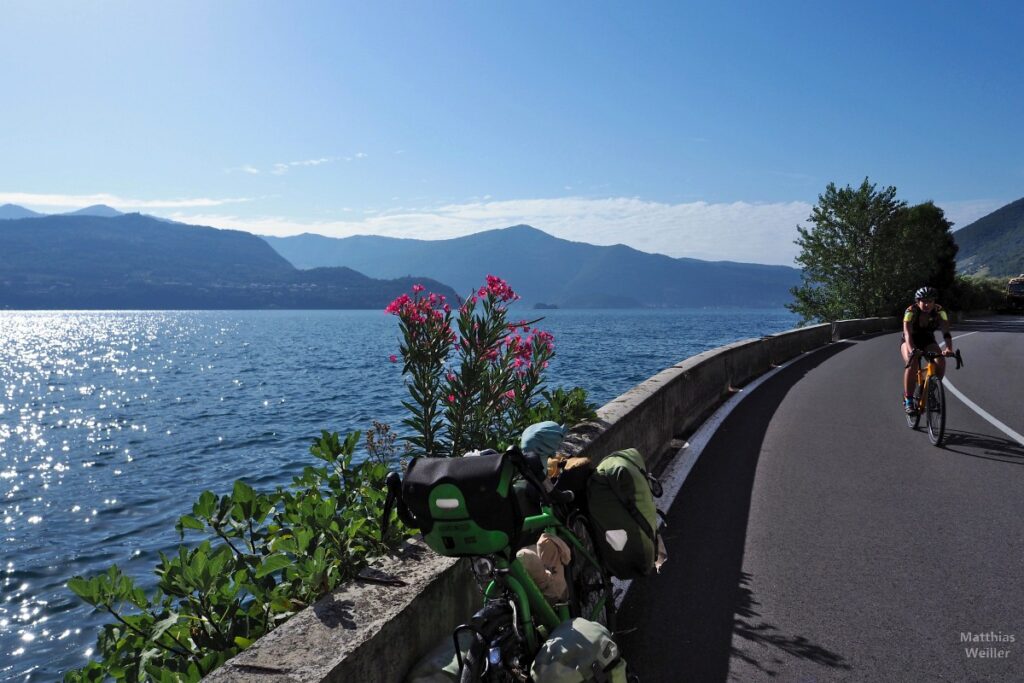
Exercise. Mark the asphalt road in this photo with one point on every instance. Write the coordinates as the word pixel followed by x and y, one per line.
pixel 818 538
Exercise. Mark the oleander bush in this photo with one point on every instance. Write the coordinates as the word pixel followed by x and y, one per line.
pixel 474 376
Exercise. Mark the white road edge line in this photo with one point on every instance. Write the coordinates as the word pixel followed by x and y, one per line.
pixel 978 409
pixel 675 474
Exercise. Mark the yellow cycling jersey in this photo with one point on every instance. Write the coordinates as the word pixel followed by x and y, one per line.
pixel 937 313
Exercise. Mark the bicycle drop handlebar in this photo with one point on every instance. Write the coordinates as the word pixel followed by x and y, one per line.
pixel 932 355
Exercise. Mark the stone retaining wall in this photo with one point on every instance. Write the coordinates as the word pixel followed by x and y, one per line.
pixel 372 632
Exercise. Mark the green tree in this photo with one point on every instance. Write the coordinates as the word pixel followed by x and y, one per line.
pixel 916 249
pixel 843 255
pixel 867 252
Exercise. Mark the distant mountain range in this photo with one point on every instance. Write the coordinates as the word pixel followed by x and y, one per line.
pixel 994 244
pixel 81 261
pixel 96 210
pixel 549 270
pixel 13 211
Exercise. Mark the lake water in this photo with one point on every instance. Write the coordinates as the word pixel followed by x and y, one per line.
pixel 112 423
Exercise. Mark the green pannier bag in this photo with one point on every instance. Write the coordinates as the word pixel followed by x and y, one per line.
pixel 620 500
pixel 579 651
pixel 464 506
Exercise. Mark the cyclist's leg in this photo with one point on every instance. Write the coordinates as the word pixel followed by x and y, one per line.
pixel 910 373
pixel 940 361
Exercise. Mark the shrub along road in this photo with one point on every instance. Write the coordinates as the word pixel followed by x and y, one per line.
pixel 818 538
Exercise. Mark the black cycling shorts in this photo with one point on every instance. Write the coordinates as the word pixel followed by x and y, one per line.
pixel 923 341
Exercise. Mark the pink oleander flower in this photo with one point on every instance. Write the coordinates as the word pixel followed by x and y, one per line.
pixel 451 398
pixel 499 289
pixel 393 358
pixel 398 304
pixel 510 394
pixel 418 288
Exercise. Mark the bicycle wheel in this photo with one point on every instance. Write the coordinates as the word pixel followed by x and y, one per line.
pixel 591 587
pixel 914 419
pixel 474 664
pixel 495 626
pixel 476 669
pixel 936 411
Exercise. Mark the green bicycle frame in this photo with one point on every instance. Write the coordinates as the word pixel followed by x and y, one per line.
pixel 530 599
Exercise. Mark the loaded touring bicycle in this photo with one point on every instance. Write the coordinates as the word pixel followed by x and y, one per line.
pixel 486 507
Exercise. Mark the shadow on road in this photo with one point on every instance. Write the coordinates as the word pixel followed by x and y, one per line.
pixel 765 634
pixel 984 446
pixel 680 624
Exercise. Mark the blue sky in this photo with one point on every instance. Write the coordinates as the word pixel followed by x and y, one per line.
pixel 692 129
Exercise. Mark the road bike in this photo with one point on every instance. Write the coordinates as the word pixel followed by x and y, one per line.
pixel 516 618
pixel 929 394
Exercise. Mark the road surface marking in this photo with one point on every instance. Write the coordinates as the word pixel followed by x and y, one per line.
pixel 978 409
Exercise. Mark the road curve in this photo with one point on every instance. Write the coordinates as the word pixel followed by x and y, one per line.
pixel 818 538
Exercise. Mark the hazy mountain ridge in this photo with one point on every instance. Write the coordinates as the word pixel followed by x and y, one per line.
pixel 993 244
pixel 136 261
pixel 96 210
pixel 14 212
pixel 543 268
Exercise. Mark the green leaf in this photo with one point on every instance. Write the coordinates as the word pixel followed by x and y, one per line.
pixel 190 522
pixel 83 588
pixel 272 563
pixel 160 627
pixel 281 604
pixel 243 642
pixel 243 493
pixel 206 504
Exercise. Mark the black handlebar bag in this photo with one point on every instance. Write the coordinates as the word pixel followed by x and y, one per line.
pixel 464 506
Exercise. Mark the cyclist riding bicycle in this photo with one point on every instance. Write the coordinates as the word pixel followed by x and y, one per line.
pixel 920 321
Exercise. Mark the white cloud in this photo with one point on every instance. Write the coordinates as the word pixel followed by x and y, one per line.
pixel 283 167
pixel 738 231
pixel 251 170
pixel 46 202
